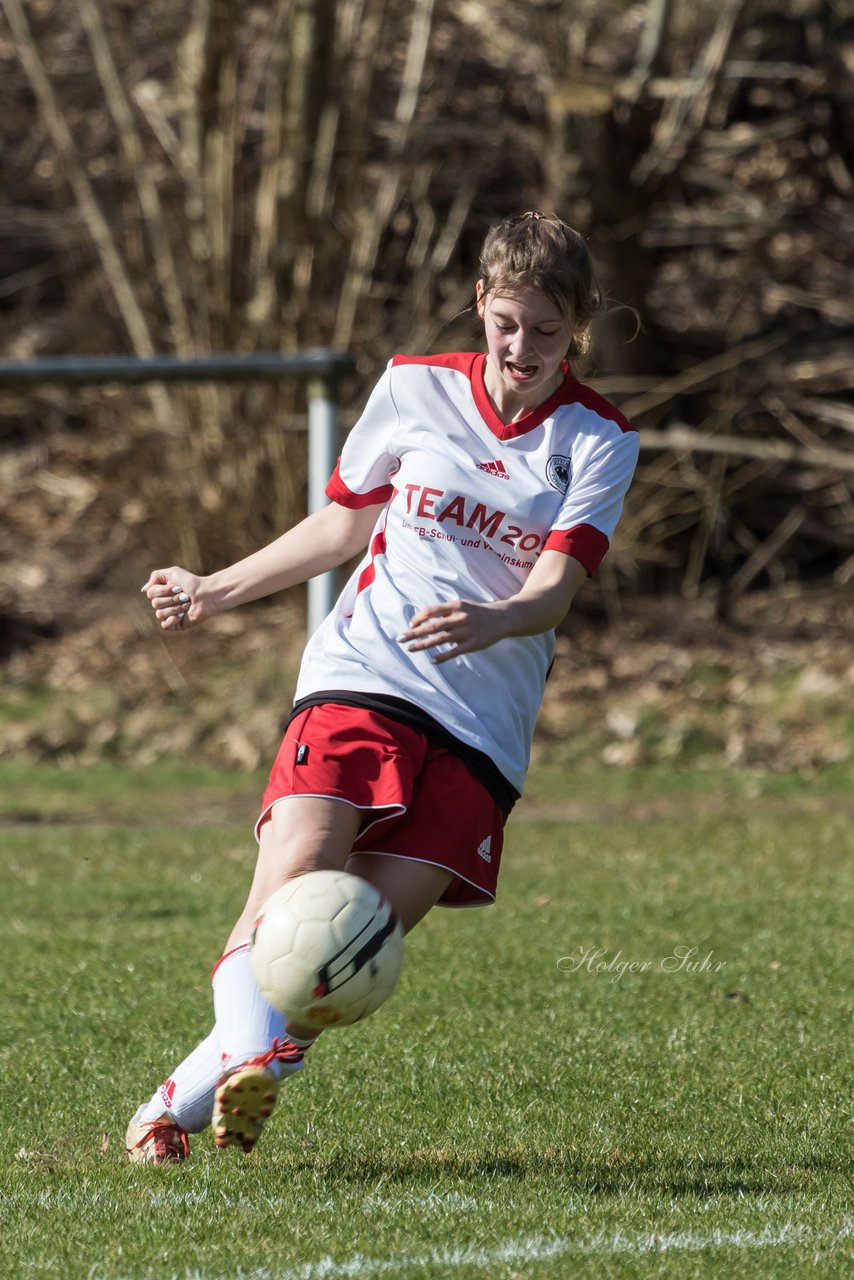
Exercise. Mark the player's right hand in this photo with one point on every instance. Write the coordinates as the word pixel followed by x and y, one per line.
pixel 177 598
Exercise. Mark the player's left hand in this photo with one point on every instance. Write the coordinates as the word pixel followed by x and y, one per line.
pixel 462 624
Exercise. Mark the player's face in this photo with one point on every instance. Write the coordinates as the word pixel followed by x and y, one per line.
pixel 527 339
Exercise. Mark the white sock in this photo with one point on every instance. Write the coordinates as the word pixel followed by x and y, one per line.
pixel 247 1023
pixel 253 1024
pixel 187 1096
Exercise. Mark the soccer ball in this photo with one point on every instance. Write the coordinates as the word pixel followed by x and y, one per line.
pixel 327 949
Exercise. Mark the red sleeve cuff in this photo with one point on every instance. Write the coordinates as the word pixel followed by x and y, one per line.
pixel 582 542
pixel 338 492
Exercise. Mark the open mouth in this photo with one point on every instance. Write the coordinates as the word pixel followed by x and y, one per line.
pixel 520 371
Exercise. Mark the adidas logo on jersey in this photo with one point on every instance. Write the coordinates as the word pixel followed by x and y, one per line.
pixel 496 468
pixel 483 849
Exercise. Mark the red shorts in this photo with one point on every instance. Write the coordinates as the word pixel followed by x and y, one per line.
pixel 421 801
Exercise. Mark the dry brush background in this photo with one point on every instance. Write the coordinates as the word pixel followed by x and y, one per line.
pixel 208 175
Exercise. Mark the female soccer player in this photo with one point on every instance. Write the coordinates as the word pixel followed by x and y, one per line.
pixel 485 487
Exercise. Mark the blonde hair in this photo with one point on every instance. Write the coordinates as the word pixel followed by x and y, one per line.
pixel 539 251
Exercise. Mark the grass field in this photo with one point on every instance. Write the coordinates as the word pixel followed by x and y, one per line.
pixel 522 1107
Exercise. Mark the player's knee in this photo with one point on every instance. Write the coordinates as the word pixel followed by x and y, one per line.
pixel 286 858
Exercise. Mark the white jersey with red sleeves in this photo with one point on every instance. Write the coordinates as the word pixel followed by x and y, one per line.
pixel 469 504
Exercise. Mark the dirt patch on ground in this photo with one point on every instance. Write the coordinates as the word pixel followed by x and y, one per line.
pixel 769 687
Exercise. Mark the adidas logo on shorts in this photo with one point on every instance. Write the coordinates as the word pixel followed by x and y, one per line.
pixel 483 849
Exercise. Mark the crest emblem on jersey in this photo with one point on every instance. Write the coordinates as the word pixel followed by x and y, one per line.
pixel 559 472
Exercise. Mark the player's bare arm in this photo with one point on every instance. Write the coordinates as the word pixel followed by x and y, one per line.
pixel 539 606
pixel 320 542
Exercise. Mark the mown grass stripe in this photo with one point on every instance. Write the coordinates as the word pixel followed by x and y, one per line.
pixel 533 1249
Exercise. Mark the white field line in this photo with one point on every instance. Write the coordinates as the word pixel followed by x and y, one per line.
pixel 534 1249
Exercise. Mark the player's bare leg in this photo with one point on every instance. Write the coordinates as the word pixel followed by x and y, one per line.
pixel 302 834
pixel 411 887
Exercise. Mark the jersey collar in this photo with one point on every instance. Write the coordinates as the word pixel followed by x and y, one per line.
pixel 565 394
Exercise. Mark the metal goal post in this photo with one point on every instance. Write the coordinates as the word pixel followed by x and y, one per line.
pixel 320 369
